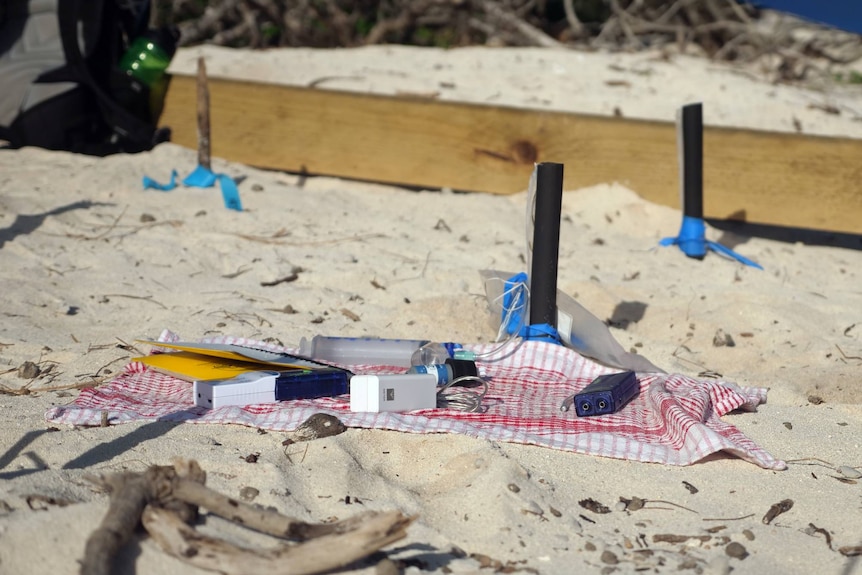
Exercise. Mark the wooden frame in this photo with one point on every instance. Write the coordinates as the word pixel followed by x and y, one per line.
pixel 761 177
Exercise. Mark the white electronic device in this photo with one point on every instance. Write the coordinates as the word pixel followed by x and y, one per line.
pixel 256 387
pixel 244 389
pixel 401 392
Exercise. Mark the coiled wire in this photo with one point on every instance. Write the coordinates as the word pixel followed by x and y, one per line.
pixel 464 399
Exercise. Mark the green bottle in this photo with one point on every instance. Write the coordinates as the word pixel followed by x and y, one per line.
pixel 150 55
pixel 143 66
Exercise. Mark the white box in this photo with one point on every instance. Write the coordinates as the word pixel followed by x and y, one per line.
pixel 245 389
pixel 402 392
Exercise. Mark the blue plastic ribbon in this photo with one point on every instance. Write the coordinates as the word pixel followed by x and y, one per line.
pixel 150 183
pixel 693 243
pixel 201 177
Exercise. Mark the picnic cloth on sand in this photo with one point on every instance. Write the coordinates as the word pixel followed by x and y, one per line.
pixel 675 420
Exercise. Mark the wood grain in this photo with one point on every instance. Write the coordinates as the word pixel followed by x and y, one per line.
pixel 761 177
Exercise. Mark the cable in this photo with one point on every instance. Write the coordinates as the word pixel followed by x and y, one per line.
pixel 464 399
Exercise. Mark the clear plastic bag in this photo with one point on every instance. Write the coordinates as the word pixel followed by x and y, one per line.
pixel 578 329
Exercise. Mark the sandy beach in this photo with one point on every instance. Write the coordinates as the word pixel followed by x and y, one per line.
pixel 91 263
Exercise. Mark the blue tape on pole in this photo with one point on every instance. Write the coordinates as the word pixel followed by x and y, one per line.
pixel 692 239
pixel 541 332
pixel 515 310
pixel 200 178
pixel 693 243
pixel 203 178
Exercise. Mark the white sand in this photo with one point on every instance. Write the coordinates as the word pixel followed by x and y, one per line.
pixel 80 278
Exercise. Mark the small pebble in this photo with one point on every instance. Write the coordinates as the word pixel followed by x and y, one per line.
pixel 721 339
pixel 318 426
pixel 589 546
pixel 748 534
pixel 29 370
pixel 736 550
pixel 849 472
pixel 609 557
pixel 815 399
pixel 513 488
pixel 248 493
pixel 788 425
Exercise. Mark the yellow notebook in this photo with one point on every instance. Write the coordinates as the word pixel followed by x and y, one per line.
pixel 208 361
pixel 197 367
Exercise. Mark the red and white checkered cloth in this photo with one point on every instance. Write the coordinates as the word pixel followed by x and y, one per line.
pixel 675 420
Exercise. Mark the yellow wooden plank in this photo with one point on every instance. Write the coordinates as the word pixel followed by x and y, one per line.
pixel 768 178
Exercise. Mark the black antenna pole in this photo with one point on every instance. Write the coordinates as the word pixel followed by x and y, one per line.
pixel 546 244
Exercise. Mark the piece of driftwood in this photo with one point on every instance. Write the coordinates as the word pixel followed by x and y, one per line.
pixel 166 500
pixel 263 520
pixel 130 494
pixel 362 535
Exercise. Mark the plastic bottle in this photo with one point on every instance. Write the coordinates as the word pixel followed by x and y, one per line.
pixel 448 371
pixel 430 353
pixel 380 351
pixel 149 55
pixel 361 350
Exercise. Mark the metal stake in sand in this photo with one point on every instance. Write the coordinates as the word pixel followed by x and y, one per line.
pixel 546 246
pixel 690 145
pixel 692 234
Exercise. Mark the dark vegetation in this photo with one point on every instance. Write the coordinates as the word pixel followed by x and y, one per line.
pixel 720 29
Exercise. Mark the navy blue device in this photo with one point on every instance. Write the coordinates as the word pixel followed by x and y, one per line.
pixel 311 384
pixel 607 394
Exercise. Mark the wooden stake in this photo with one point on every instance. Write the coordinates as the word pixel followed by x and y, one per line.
pixel 203 116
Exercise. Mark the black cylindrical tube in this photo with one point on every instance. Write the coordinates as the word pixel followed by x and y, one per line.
pixel 546 244
pixel 692 160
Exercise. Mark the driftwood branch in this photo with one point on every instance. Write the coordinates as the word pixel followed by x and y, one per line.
pixel 263 520
pixel 130 494
pixel 532 34
pixel 366 534
pixel 128 500
pixel 166 499
pixel 572 18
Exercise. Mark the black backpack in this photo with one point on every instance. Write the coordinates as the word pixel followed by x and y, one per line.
pixel 60 87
